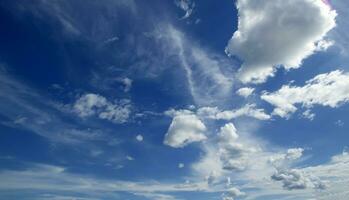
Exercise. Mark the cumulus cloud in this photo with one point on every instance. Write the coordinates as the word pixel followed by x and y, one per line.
pixel 232 152
pixel 95 105
pixel 245 92
pixel 185 129
pixel 278 33
pixel 296 179
pixel 329 89
pixel 281 160
pixel 228 133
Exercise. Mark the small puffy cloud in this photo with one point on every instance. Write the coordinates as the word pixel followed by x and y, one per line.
pixel 130 158
pixel 287 157
pixel 245 92
pixel 187 6
pixel 291 179
pixel 139 138
pixel 232 193
pixel 180 165
pixel 293 154
pixel 228 133
pixel 278 33
pixel 185 129
pixel 329 89
pixel 96 105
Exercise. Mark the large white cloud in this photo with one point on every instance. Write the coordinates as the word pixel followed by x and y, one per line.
pixel 278 32
pixel 185 129
pixel 329 89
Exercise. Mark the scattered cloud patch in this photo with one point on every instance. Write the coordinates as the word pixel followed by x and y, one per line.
pixel 95 105
pixel 308 115
pixel 187 6
pixel 249 110
pixel 278 33
pixel 329 89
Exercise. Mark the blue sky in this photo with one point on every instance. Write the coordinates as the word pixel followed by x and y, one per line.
pixel 174 100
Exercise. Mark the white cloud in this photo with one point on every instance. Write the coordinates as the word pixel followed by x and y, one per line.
pixel 180 165
pixel 308 115
pixel 94 104
pixel 232 193
pixel 156 196
pixel 187 6
pixel 329 89
pixel 57 180
pixel 139 138
pixel 185 129
pixel 130 158
pixel 127 83
pixel 245 92
pixel 279 32
pixel 228 133
pixel 323 45
pixel 297 179
pixel 293 154
pixel 248 110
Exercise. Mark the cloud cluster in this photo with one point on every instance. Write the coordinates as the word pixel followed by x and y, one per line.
pixel 185 128
pixel 329 89
pixel 296 179
pixel 280 32
pixel 95 105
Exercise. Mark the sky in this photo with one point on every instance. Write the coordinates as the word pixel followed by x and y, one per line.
pixel 174 100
